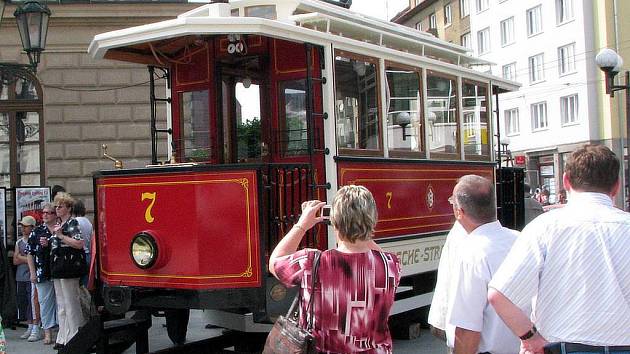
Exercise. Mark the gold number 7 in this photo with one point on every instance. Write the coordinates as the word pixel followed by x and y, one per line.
pixel 389 196
pixel 147 213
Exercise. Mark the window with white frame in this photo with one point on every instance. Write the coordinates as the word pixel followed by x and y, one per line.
pixel 566 59
pixel 564 11
pixel 539 116
pixel 569 109
pixel 509 71
pixel 482 5
pixel 464 8
pixel 419 26
pixel 465 38
pixel 512 124
pixel 432 21
pixel 536 68
pixel 448 14
pixel 483 40
pixel 534 20
pixel 507 31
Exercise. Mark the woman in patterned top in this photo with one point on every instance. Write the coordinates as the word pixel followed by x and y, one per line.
pixel 67 234
pixel 39 264
pixel 357 281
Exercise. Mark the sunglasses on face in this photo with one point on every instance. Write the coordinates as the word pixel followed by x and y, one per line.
pixel 48 212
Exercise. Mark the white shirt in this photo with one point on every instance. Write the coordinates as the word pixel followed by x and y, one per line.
pixel 576 260
pixel 481 254
pixel 86 231
pixel 445 283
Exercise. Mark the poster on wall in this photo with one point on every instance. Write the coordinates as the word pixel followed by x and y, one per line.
pixel 29 201
pixel 3 215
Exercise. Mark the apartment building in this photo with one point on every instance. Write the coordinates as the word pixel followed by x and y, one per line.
pixel 548 46
pixel 446 19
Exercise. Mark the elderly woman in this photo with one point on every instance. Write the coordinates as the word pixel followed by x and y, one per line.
pixel 66 234
pixel 356 281
pixel 39 264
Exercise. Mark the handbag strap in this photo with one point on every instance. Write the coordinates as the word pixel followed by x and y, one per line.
pixel 311 302
pixel 293 311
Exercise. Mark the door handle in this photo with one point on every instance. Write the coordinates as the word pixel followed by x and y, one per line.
pixel 264 149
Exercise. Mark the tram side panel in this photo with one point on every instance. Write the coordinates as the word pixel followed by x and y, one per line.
pixel 414 215
pixel 204 225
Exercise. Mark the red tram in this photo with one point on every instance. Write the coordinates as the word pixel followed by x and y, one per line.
pixel 270 103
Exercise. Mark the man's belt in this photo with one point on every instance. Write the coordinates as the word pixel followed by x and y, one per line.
pixel 564 348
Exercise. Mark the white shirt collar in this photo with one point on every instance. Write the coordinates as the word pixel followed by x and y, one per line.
pixel 488 227
pixel 577 198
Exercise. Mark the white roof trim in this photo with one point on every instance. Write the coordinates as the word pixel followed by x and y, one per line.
pixel 193 25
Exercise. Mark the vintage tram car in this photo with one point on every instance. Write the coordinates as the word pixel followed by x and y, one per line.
pixel 270 103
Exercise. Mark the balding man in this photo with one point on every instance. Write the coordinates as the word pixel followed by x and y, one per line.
pixel 478 328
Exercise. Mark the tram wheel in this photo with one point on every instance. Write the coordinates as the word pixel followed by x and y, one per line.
pixel 177 325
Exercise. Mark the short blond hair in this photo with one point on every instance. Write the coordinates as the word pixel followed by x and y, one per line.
pixel 65 199
pixel 353 213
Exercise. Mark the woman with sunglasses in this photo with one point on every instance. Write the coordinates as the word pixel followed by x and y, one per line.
pixel 67 234
pixel 39 264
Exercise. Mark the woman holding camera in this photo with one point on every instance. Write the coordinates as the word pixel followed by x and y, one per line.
pixel 356 283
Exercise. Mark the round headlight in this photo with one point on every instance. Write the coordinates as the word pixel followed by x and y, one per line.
pixel 144 251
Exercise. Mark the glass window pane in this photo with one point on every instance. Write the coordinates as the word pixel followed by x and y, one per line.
pixel 475 106
pixel 404 126
pixel 264 11
pixel 293 119
pixel 195 125
pixel 25 90
pixel 357 104
pixel 248 130
pixel 30 179
pixel 4 127
pixel 442 115
pixel 5 166
pixel 27 125
pixel 28 158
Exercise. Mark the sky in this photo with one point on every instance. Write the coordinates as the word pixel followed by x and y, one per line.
pixel 383 9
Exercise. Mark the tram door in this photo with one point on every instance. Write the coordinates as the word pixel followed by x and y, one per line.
pixel 244 115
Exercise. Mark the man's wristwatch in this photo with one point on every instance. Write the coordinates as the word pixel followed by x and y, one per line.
pixel 529 333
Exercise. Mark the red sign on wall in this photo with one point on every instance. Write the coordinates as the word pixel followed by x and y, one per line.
pixel 519 159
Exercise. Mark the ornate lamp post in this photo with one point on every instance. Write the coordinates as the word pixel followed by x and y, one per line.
pixel 32 22
pixel 610 63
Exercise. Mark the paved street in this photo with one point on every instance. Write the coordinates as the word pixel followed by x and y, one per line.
pixel 425 344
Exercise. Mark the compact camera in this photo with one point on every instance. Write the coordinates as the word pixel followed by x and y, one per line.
pixel 325 212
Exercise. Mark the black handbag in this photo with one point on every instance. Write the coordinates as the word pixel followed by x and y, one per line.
pixel 67 262
pixel 286 336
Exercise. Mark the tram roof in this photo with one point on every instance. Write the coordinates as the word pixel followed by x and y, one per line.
pixel 310 21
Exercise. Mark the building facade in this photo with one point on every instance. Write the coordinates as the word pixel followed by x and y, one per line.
pixel 549 48
pixel 53 124
pixel 448 20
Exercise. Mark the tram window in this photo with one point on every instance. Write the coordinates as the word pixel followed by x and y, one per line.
pixel 294 133
pixel 476 134
pixel 357 104
pixel 442 115
pixel 195 126
pixel 263 11
pixel 404 126
pixel 248 127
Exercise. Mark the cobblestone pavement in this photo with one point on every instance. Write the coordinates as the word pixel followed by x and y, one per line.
pixel 425 344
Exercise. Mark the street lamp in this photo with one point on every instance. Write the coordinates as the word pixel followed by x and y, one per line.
pixel 32 22
pixel 610 63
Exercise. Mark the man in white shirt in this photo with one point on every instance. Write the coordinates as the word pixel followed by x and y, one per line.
pixel 444 286
pixel 576 262
pixel 478 328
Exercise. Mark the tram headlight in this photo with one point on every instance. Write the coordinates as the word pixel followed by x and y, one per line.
pixel 144 250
